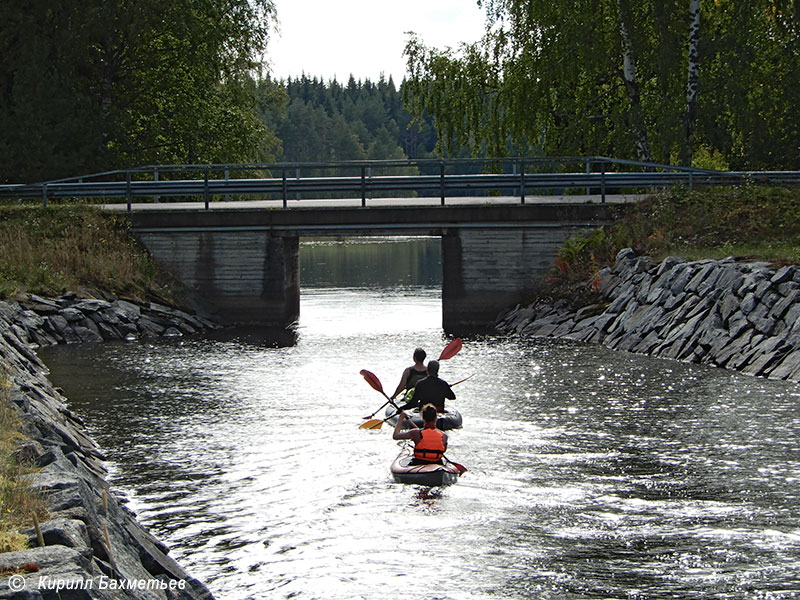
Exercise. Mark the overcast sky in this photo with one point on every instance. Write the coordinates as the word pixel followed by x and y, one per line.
pixel 334 38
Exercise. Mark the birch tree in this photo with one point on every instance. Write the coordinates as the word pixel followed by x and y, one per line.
pixel 692 84
pixel 620 78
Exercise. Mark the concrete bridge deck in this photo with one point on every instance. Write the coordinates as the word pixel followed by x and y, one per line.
pixel 275 204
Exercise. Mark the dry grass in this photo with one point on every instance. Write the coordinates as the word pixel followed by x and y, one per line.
pixel 18 502
pixel 52 250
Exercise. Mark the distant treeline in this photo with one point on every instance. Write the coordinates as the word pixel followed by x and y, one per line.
pixel 320 121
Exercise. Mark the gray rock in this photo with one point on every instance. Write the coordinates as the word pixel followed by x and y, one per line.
pixel 730 279
pixel 782 306
pixel 126 311
pixel 784 274
pixel 148 328
pixel 768 353
pixel 788 367
pixel 668 264
pixel 728 304
pixel 86 335
pixel 91 305
pixel 72 314
pixel 681 281
pixel 623 257
pixel 56 324
pixel 71 533
pixel 749 303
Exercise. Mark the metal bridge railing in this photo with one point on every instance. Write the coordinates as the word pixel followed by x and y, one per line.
pixel 445 178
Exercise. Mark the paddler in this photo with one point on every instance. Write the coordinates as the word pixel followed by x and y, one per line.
pixel 413 374
pixel 431 390
pixel 430 443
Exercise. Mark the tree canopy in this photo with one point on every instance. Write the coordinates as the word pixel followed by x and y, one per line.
pixel 328 121
pixel 662 80
pixel 92 86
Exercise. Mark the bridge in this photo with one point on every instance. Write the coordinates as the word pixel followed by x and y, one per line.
pixel 244 262
pixel 231 232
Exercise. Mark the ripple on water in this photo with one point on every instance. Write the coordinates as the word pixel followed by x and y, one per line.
pixel 591 474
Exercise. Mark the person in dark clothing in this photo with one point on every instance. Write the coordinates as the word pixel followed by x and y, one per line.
pixel 412 374
pixel 431 390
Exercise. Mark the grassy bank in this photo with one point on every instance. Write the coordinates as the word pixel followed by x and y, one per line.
pixel 18 503
pixel 49 251
pixel 748 223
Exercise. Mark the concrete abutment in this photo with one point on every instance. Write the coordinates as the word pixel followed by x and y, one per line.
pixel 246 276
pixel 486 270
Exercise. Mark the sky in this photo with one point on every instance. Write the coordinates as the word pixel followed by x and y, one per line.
pixel 365 38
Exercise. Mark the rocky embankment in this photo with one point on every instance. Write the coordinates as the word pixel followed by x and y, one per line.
pixel 741 316
pixel 93 545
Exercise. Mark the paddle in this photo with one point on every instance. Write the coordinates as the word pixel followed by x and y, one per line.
pixel 376 384
pixel 373 380
pixel 451 349
pixel 448 352
pixel 461 468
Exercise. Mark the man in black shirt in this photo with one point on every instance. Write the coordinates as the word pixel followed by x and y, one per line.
pixel 431 390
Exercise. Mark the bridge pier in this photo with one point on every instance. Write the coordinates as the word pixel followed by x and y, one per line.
pixel 246 276
pixel 485 270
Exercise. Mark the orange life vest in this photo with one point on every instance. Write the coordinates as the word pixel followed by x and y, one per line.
pixel 431 447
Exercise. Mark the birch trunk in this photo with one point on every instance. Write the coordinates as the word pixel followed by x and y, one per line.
pixel 692 85
pixel 632 87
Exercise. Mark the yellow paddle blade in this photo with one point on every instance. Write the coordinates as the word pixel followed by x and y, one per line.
pixel 371 424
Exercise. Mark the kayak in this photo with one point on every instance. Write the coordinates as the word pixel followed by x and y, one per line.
pixel 430 475
pixel 449 419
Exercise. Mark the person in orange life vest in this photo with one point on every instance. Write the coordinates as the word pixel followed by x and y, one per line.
pixel 430 443
pixel 431 390
pixel 412 374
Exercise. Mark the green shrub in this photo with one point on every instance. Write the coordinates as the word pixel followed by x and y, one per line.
pixel 744 222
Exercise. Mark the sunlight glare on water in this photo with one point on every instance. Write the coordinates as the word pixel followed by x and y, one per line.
pixel 592 474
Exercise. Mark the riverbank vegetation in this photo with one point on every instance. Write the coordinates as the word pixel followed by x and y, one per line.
pixel 49 251
pixel 18 502
pixel 747 223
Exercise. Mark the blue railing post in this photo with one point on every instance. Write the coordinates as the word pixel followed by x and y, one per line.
pixel 441 180
pixel 128 190
pixel 521 181
pixel 44 195
pixel 155 179
pixel 285 188
pixel 206 195
pixel 603 181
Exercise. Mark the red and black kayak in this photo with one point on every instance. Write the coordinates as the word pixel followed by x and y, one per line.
pixel 429 475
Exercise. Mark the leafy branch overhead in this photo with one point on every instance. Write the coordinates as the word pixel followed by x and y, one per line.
pixel 88 87
pixel 672 81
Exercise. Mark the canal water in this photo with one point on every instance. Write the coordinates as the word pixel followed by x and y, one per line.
pixel 591 474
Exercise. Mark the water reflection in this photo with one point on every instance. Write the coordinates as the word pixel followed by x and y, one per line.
pixel 592 474
pixel 388 262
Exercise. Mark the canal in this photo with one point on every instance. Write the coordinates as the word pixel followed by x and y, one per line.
pixel 591 474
